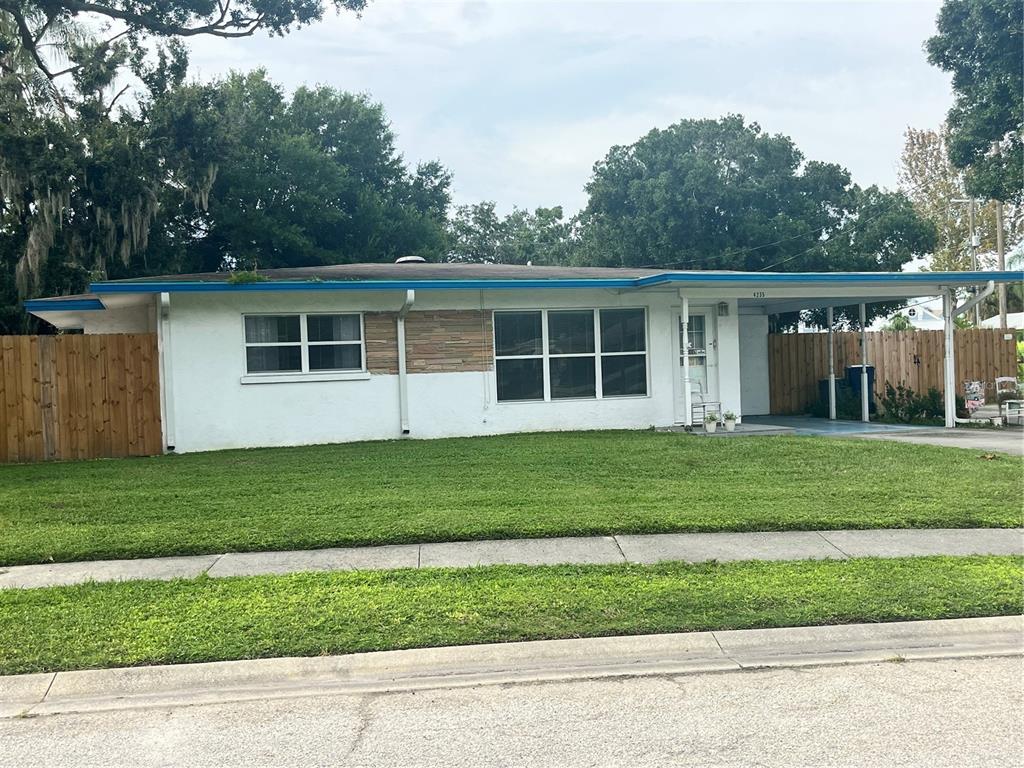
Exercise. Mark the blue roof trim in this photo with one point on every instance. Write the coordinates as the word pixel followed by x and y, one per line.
pixel 63 305
pixel 362 285
pixel 792 278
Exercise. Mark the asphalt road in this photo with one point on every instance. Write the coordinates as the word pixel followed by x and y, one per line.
pixel 928 713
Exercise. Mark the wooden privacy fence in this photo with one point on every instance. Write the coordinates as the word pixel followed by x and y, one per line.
pixel 79 397
pixel 797 361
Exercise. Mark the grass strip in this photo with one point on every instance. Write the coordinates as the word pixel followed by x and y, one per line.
pixel 537 485
pixel 132 623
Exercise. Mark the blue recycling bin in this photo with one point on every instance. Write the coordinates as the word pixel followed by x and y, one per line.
pixel 853 380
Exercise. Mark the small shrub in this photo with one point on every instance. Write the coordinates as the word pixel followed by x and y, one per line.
pixel 244 277
pixel 901 404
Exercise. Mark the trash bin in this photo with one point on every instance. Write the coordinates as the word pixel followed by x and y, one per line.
pixel 853 380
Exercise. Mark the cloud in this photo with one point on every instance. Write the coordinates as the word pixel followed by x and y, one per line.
pixel 520 99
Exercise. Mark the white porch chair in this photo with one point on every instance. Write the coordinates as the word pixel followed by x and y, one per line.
pixel 701 404
pixel 1012 407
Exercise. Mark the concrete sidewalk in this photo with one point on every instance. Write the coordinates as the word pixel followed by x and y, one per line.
pixel 547 660
pixel 688 547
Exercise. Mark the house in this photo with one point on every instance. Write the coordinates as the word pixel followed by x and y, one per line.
pixel 371 351
pixel 1013 320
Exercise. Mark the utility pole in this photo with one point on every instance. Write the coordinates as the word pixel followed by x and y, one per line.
pixel 974 261
pixel 975 241
pixel 1001 262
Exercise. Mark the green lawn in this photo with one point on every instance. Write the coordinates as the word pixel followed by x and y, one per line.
pixel 131 623
pixel 535 485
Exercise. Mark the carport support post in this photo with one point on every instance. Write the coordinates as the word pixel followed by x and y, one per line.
pixel 865 401
pixel 831 366
pixel 684 343
pixel 949 363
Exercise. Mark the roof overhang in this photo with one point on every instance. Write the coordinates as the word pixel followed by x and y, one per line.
pixel 71 312
pixel 794 284
pixel 757 292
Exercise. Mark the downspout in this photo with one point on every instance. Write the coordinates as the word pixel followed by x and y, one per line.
pixel 979 297
pixel 403 380
pixel 166 369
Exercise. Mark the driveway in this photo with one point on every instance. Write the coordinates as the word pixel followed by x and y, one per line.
pixel 1006 440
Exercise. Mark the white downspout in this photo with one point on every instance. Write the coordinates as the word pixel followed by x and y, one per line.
pixel 831 366
pixel 403 381
pixel 865 396
pixel 166 369
pixel 684 344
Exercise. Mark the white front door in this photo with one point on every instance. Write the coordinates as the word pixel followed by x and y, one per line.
pixel 701 346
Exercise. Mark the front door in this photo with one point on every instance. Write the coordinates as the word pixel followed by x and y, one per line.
pixel 702 348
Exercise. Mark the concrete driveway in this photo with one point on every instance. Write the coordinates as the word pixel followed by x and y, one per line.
pixel 1006 440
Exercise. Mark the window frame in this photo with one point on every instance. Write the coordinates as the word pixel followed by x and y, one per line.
pixel 305 373
pixel 546 356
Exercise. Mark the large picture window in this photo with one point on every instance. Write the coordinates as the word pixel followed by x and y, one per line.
pixel 303 343
pixel 570 354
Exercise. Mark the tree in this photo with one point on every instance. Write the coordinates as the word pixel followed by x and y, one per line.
pixel 898 323
pixel 311 180
pixel 931 181
pixel 980 43
pixel 130 22
pixel 202 177
pixel 722 194
pixel 479 234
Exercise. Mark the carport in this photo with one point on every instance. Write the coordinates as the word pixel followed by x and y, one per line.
pixel 776 293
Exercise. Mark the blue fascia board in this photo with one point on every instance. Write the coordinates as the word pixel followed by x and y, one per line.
pixel 362 285
pixel 63 305
pixel 793 278
pixel 797 278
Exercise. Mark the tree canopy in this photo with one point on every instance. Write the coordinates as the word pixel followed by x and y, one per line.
pixel 723 194
pixel 980 43
pixel 937 190
pixel 480 234
pixel 228 174
pixel 37 25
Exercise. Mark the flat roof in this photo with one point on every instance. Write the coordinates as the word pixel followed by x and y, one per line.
pixel 425 276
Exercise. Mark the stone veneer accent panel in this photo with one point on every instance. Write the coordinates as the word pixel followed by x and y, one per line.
pixel 448 341
pixel 437 341
pixel 381 342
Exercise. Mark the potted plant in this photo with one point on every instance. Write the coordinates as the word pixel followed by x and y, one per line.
pixel 710 422
pixel 730 421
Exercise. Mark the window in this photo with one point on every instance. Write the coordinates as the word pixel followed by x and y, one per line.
pixel 303 343
pixel 570 354
pixel 623 352
pixel 519 355
pixel 695 347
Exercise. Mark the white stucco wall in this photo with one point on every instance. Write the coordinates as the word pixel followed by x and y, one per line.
pixel 753 345
pixel 212 409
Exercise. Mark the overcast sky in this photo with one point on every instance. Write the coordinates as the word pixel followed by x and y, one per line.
pixel 519 98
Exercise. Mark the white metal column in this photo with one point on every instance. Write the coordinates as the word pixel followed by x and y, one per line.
pixel 865 397
pixel 831 366
pixel 684 343
pixel 949 364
